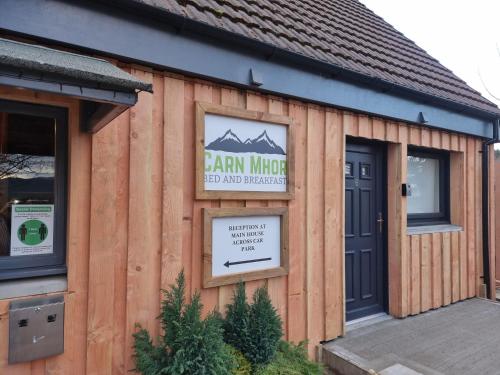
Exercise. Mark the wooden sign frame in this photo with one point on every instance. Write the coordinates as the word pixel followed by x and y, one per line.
pixel 210 213
pixel 204 108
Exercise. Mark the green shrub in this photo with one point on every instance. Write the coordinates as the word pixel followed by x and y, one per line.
pixel 149 359
pixel 189 346
pixel 291 360
pixel 265 329
pixel 242 366
pixel 254 330
pixel 236 324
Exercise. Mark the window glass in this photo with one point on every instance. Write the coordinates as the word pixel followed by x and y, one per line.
pixel 27 175
pixel 423 178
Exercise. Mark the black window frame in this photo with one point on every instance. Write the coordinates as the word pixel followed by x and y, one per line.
pixel 443 216
pixel 45 264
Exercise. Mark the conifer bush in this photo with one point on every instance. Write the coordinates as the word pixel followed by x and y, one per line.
pixel 265 328
pixel 255 330
pixel 236 325
pixel 246 342
pixel 189 346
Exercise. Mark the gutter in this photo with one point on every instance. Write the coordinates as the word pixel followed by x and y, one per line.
pixel 486 206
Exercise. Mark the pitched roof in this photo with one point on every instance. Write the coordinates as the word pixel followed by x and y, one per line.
pixel 343 33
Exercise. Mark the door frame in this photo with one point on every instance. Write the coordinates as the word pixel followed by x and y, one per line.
pixel 356 144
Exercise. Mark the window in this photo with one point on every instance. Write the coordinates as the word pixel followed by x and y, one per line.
pixel 428 181
pixel 33 163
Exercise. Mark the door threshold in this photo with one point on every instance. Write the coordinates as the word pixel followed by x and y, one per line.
pixel 367 321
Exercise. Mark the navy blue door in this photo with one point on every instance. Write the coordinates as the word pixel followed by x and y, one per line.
pixel 365 255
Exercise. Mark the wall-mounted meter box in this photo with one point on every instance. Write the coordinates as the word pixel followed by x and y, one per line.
pixel 36 328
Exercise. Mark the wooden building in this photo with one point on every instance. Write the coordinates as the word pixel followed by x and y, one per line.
pixel 497 232
pixel 392 165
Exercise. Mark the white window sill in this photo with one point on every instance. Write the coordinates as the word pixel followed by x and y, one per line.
pixel 32 287
pixel 433 229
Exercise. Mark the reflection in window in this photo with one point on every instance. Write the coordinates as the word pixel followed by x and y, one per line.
pixel 423 178
pixel 428 178
pixel 27 172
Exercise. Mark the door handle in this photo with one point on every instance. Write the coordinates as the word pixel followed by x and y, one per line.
pixel 380 222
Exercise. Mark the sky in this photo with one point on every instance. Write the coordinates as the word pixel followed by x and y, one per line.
pixel 463 35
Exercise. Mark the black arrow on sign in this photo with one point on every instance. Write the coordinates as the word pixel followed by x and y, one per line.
pixel 228 263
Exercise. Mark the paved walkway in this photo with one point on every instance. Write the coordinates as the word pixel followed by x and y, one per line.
pixel 463 338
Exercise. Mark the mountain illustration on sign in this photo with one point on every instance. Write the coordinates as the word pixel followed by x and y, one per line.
pixel 230 142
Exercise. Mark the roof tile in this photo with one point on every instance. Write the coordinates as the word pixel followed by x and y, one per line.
pixel 343 33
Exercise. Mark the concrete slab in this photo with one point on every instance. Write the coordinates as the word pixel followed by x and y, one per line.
pixel 463 338
pixel 399 369
pixel 365 322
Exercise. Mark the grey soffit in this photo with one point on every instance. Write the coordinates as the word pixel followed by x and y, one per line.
pixel 105 90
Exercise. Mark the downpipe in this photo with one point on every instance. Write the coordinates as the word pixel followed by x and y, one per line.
pixel 485 206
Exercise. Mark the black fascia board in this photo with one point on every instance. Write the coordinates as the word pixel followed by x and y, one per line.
pixel 161 36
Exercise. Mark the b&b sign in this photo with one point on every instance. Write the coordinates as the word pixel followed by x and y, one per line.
pixel 243 154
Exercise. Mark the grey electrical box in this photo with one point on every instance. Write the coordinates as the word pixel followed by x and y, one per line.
pixel 36 328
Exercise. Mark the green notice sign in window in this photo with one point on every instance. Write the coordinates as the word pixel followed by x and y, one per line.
pixel 32 230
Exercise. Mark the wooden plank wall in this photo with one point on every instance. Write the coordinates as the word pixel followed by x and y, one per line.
pixel 134 224
pixel 433 269
pixel 497 212
pixel 492 223
pixel 143 193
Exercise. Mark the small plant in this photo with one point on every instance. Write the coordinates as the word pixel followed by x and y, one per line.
pixel 189 345
pixel 291 360
pixel 236 324
pixel 242 366
pixel 265 328
pixel 194 346
pixel 254 330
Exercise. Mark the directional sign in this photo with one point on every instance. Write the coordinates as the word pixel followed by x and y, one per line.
pixel 245 244
pixel 228 263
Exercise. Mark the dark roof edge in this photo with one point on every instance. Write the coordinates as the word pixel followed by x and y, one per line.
pixel 269 52
pixel 32 60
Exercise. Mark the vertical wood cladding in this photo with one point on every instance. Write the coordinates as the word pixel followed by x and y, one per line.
pixel 134 223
